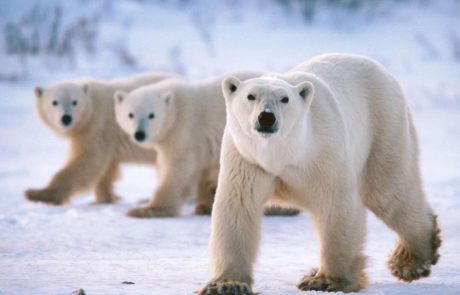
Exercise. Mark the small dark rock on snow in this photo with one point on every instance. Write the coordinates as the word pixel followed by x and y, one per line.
pixel 78 292
pixel 127 283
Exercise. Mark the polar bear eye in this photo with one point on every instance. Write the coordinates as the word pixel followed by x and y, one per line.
pixel 151 116
pixel 285 99
pixel 55 103
pixel 251 97
pixel 74 103
pixel 131 115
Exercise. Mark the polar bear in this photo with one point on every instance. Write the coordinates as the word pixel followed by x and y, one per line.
pixel 82 111
pixel 184 122
pixel 334 136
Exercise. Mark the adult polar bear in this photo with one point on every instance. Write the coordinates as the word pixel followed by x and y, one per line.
pixel 333 135
pixel 82 112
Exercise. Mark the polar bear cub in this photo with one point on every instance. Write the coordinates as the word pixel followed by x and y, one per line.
pixel 334 136
pixel 82 112
pixel 184 122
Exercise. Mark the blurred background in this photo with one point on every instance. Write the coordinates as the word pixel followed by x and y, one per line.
pixel 418 40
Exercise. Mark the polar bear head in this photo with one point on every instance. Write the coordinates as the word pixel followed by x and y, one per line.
pixel 145 114
pixel 265 107
pixel 65 107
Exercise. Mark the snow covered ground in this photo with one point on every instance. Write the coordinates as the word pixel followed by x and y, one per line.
pixel 55 250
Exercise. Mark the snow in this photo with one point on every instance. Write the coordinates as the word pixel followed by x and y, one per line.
pixel 55 250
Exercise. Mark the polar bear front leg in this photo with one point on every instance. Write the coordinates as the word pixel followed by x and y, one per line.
pixel 104 188
pixel 237 212
pixel 340 226
pixel 178 180
pixel 79 174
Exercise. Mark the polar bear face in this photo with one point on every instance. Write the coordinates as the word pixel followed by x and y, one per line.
pixel 146 115
pixel 65 107
pixel 265 107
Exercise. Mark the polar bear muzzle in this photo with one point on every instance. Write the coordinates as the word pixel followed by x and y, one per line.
pixel 139 135
pixel 66 120
pixel 266 122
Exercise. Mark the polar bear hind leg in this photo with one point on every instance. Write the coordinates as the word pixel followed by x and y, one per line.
pixel 394 192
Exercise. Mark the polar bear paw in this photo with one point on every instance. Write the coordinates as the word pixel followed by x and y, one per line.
pixel 407 267
pixel 45 196
pixel 226 288
pixel 316 281
pixel 106 199
pixel 149 212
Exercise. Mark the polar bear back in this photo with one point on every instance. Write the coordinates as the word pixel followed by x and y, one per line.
pixel 357 81
pixel 364 97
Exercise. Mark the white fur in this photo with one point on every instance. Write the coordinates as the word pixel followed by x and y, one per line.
pixel 186 131
pixel 349 143
pixel 97 144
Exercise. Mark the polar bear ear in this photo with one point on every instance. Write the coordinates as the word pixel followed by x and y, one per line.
pixel 230 85
pixel 119 96
pixel 305 91
pixel 168 97
pixel 38 90
pixel 85 88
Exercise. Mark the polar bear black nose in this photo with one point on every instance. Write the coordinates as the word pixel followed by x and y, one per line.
pixel 66 120
pixel 139 135
pixel 266 119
